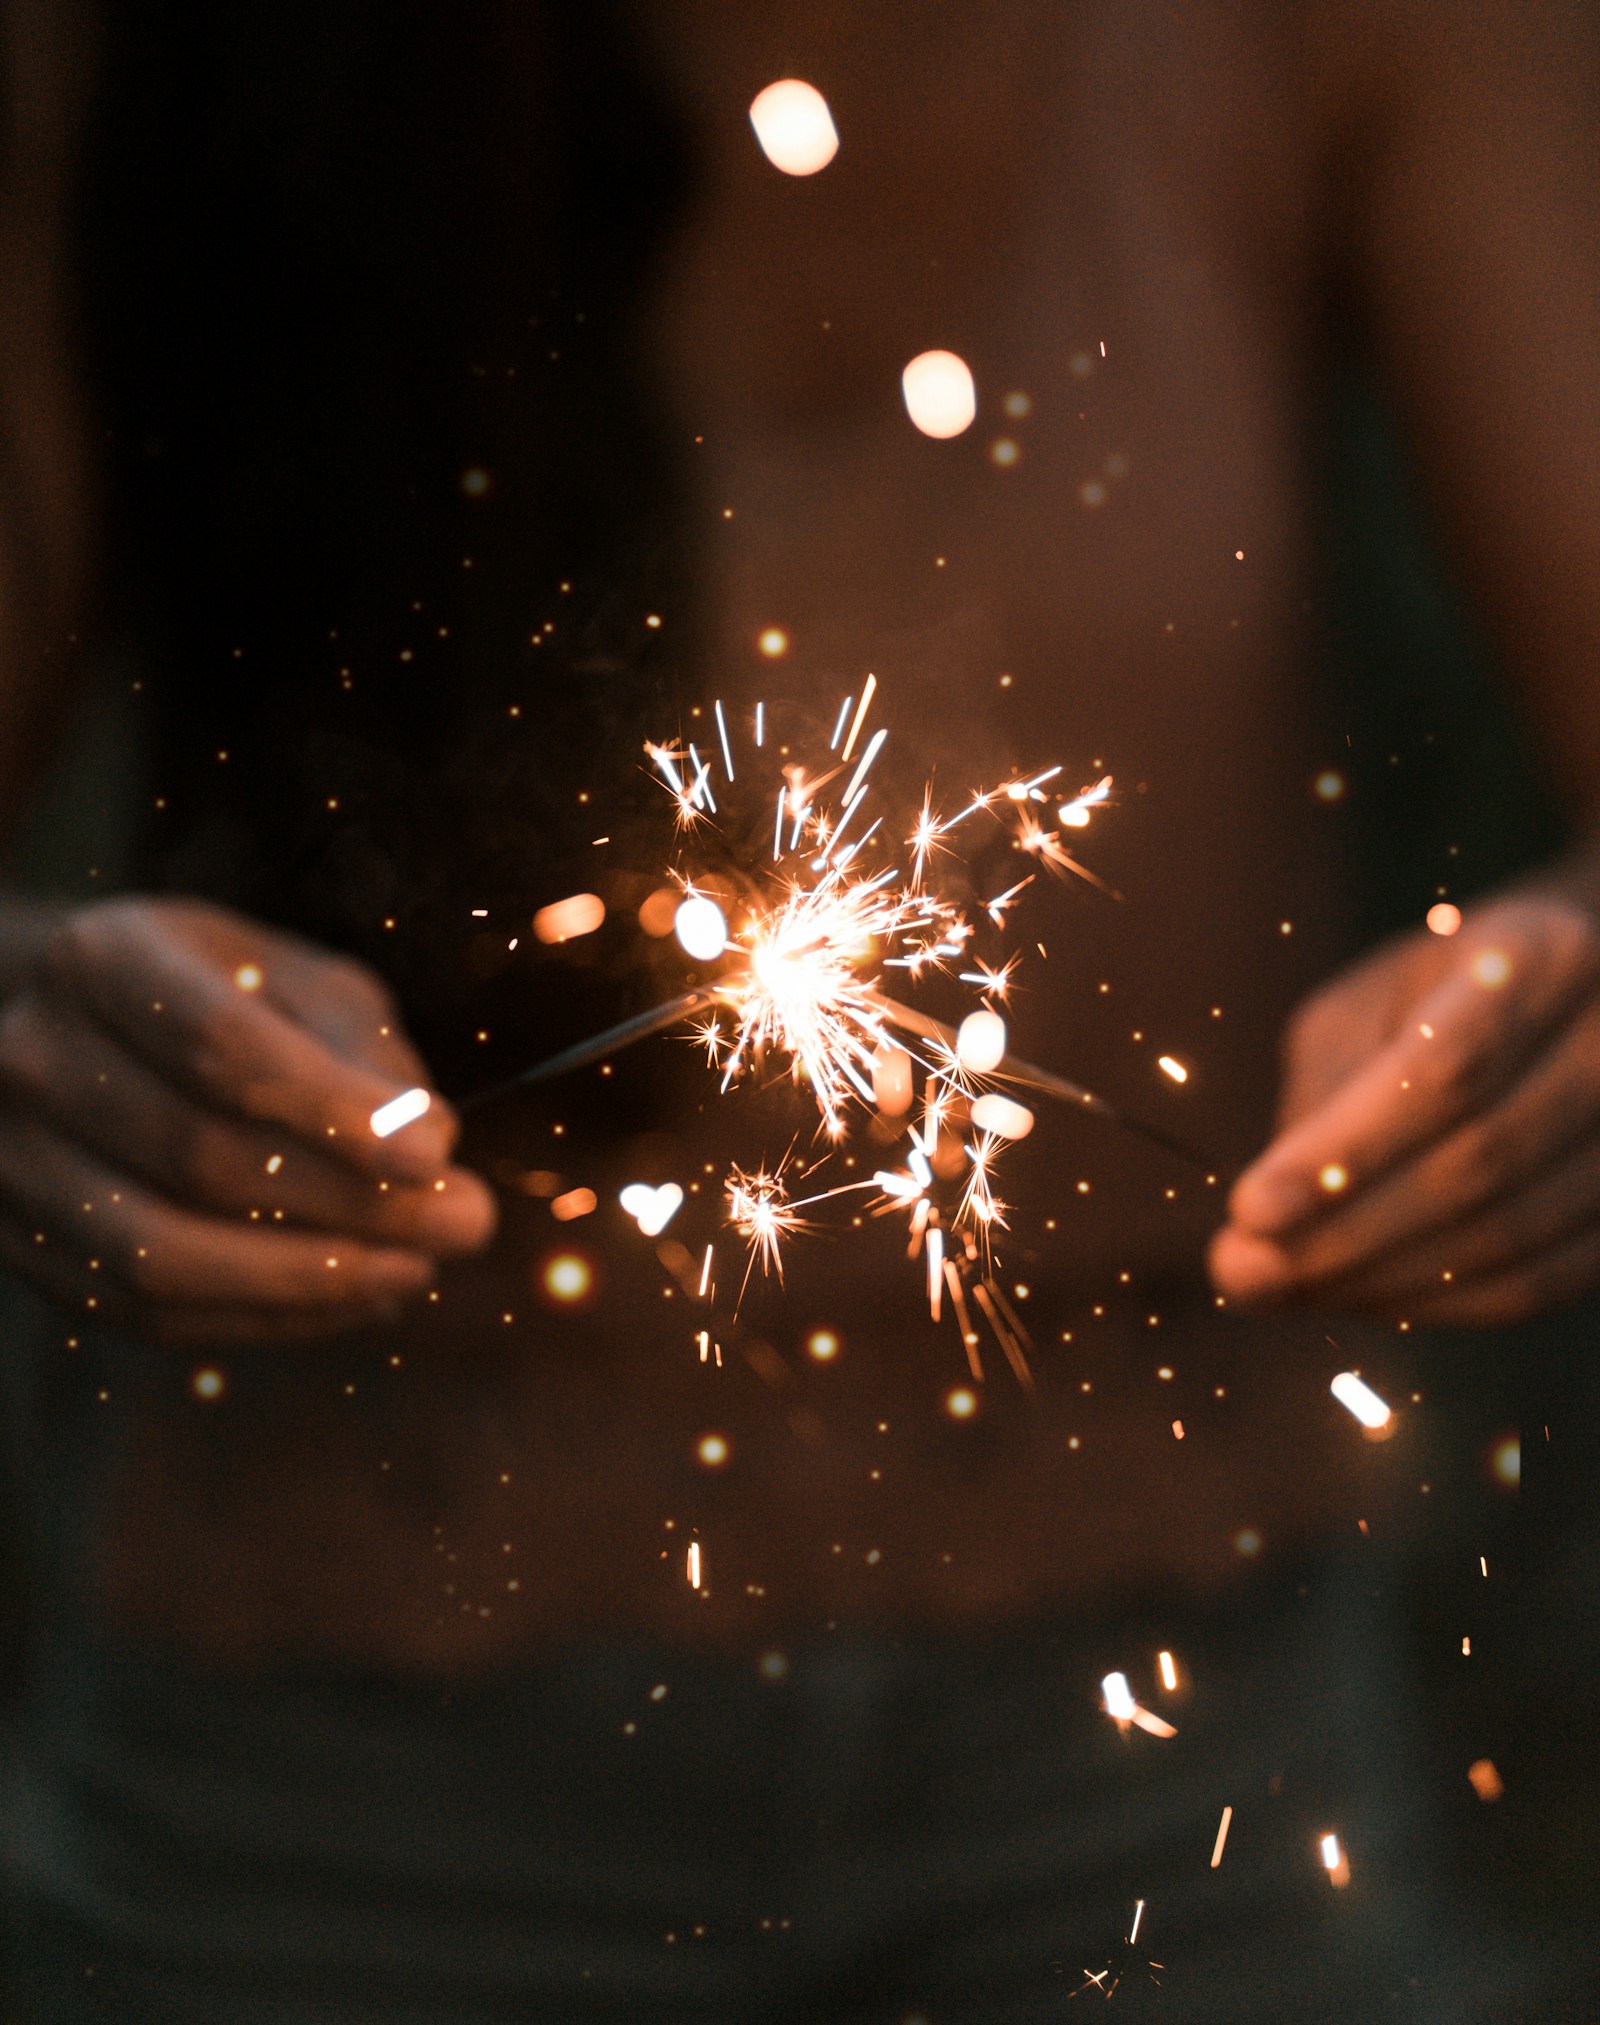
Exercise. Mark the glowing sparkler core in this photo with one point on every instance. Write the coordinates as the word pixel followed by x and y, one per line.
pixel 814 927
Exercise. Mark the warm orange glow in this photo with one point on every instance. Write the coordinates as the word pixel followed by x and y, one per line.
pixel 657 911
pixel 575 1203
pixel 565 920
pixel 1443 918
pixel 567 1277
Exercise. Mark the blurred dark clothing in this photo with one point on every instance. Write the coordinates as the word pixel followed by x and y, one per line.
pixel 843 1831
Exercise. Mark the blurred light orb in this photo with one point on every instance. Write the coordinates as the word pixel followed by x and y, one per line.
pixel 1002 1116
pixel 940 397
pixel 773 642
pixel 823 1345
pixel 567 1277
pixel 794 127
pixel 564 920
pixel 712 1450
pixel 981 1042
pixel 1505 1461
pixel 702 928
pixel 658 911
pixel 1444 918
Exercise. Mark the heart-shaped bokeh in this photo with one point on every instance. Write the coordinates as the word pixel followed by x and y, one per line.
pixel 652 1209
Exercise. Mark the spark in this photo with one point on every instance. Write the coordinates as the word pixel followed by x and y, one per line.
pixel 1358 1398
pixel 760 1210
pixel 402 1110
pixel 1222 1836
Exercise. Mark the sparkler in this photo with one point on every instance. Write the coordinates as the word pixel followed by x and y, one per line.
pixel 807 898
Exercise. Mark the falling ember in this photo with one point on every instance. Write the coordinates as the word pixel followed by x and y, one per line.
pixel 1118 1698
pixel 694 1564
pixel 575 1203
pixel 402 1110
pixel 1443 918
pixel 565 920
pixel 1485 1779
pixel 940 397
pixel 1138 1915
pixel 1171 1066
pixel 1222 1837
pixel 794 127
pixel 1358 1398
pixel 1169 1672
pixel 1335 1862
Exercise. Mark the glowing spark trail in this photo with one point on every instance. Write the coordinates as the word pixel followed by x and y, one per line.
pixel 799 932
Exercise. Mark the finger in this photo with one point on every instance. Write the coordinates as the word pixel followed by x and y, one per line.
pixel 90 1298
pixel 357 1021
pixel 111 1102
pixel 1460 1047
pixel 228 1044
pixel 1491 1156
pixel 168 1257
pixel 1558 1206
pixel 1557 1277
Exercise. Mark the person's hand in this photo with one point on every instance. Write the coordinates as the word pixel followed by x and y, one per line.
pixel 1438 1157
pixel 186 1149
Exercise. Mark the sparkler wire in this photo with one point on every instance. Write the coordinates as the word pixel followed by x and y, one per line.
pixel 582 1054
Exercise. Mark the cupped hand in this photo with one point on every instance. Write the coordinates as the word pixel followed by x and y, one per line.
pixel 1438 1157
pixel 186 1149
